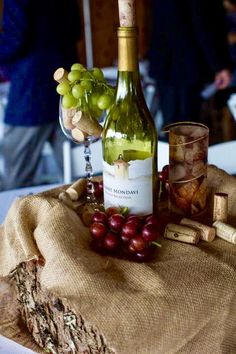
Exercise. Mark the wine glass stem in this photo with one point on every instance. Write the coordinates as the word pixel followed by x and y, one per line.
pixel 89 172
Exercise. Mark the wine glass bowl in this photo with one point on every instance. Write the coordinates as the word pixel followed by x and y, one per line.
pixel 78 123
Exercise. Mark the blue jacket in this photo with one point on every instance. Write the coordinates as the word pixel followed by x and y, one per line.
pixel 37 38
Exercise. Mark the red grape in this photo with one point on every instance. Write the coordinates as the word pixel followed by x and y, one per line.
pixel 165 170
pixel 161 177
pixel 116 222
pixel 164 174
pixel 98 230
pixel 125 239
pixel 135 219
pixel 145 255
pixel 97 191
pixel 100 186
pixel 151 219
pixel 111 241
pixel 99 216
pixel 97 245
pixel 112 210
pixel 138 243
pixel 132 217
pixel 149 232
pixel 129 229
pixel 131 249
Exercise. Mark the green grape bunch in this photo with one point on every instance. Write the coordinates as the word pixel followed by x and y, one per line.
pixel 80 85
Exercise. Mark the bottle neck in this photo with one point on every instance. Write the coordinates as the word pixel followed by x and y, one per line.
pixel 127 49
pixel 128 80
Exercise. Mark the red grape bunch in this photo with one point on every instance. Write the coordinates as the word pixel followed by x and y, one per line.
pixel 129 236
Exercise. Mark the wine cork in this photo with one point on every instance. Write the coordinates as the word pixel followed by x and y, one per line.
pixel 220 207
pixel 67 115
pixel 87 124
pixel 225 231
pixel 127 14
pixel 182 233
pixel 78 135
pixel 206 233
pixel 60 75
pixel 65 198
pixel 77 189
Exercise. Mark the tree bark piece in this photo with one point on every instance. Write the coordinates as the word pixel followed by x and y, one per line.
pixel 53 324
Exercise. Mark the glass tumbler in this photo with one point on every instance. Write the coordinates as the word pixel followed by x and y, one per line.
pixel 188 148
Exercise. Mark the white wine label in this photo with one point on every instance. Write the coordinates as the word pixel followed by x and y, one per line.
pixel 129 184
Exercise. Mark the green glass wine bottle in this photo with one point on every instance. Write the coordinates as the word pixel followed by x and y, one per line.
pixel 129 137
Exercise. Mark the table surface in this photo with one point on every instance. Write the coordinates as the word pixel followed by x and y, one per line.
pixel 6 198
pixel 8 346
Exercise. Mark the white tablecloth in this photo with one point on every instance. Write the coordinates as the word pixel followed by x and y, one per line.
pixel 8 346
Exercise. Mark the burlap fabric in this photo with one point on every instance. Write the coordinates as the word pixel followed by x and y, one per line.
pixel 182 302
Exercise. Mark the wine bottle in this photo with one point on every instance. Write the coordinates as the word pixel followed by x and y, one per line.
pixel 129 137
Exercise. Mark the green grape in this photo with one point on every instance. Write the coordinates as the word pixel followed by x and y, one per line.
pixel 96 112
pixel 79 103
pixel 83 104
pixel 115 113
pixel 78 91
pixel 111 90
pixel 97 73
pixel 69 101
pixel 63 88
pixel 93 99
pixel 77 66
pixel 74 75
pixel 86 84
pixel 86 75
pixel 104 101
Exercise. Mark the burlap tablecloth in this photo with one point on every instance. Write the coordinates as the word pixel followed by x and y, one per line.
pixel 182 302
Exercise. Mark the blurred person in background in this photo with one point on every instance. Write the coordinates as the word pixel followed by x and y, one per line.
pixel 188 49
pixel 37 37
pixel 230 7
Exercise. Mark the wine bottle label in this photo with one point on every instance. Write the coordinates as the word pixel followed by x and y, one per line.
pixel 129 184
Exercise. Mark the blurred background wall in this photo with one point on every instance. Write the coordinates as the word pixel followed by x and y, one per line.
pixel 104 23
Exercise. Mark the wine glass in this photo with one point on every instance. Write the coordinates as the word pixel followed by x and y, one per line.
pixel 82 126
pixel 85 96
